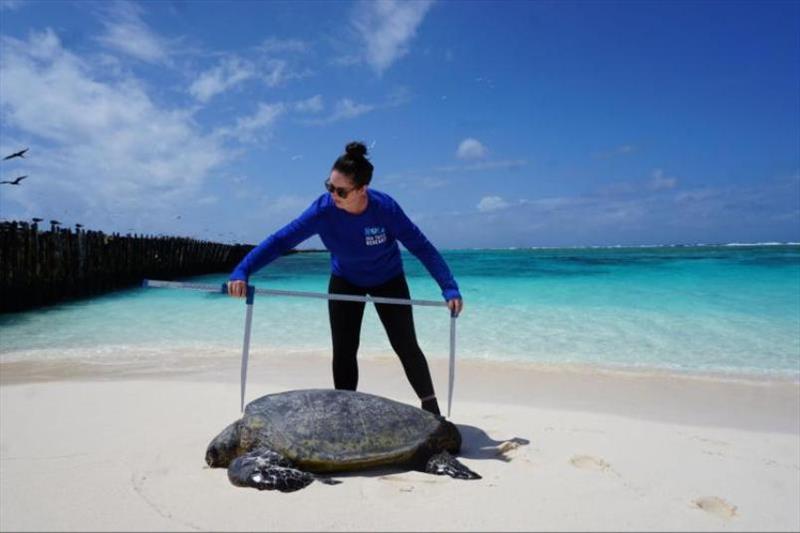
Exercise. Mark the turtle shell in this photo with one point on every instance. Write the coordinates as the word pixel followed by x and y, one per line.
pixel 323 430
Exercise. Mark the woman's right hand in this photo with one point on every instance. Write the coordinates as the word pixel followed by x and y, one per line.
pixel 237 288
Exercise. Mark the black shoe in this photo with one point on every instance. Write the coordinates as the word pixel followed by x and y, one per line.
pixel 432 406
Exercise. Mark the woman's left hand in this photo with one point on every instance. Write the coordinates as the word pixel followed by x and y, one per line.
pixel 455 305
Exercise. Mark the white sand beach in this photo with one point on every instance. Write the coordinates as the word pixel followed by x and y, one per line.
pixel 559 448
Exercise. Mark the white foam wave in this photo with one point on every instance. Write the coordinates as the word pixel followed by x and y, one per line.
pixel 644 246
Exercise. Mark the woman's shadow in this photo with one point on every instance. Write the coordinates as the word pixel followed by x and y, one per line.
pixel 477 444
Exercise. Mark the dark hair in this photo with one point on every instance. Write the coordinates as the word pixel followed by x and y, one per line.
pixel 355 164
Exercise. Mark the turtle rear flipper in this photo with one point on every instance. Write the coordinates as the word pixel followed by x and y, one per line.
pixel 264 469
pixel 443 464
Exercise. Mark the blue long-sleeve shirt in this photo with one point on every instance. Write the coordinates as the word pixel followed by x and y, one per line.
pixel 363 247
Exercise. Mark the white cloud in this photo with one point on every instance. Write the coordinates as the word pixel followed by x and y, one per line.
pixel 471 149
pixel 414 180
pixel 101 145
pixel 310 105
pixel 265 116
pixel 398 96
pixel 624 149
pixel 276 72
pixel 346 108
pixel 659 182
pixel 492 203
pixel 234 70
pixel 253 127
pixel 343 110
pixel 431 182
pixel 768 211
pixel 346 60
pixel 286 203
pixel 126 32
pixel 386 27
pixel 696 196
pixel 273 45
pixel 11 5
pixel 230 72
pixel 273 210
pixel 208 200
pixel 502 164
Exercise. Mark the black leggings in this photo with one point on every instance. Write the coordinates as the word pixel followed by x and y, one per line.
pixel 345 318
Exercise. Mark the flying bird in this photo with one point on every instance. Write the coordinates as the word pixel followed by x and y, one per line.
pixel 15 181
pixel 21 153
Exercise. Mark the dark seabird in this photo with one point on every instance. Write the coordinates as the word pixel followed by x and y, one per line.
pixel 21 153
pixel 15 181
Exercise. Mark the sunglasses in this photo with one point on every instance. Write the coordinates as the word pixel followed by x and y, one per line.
pixel 340 192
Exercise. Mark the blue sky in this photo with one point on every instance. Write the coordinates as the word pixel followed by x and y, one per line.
pixel 494 124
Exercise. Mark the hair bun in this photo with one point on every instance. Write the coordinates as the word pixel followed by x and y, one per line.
pixel 356 149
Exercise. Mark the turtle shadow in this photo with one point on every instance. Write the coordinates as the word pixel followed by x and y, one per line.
pixel 378 472
pixel 477 444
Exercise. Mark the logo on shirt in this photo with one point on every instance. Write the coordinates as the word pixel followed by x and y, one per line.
pixel 375 235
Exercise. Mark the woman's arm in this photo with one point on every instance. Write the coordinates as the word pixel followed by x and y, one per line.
pixel 280 242
pixel 412 238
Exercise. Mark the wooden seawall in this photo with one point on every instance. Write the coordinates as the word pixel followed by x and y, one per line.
pixel 43 267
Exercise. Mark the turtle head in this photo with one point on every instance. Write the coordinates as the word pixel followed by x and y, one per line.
pixel 224 448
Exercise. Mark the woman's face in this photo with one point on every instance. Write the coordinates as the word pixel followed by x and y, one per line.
pixel 355 197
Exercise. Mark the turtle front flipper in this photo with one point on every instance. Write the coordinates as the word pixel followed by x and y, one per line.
pixel 264 469
pixel 445 464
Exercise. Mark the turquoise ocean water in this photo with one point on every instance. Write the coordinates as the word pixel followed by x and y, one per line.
pixel 719 309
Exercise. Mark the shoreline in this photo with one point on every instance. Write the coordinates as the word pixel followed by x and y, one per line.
pixel 36 368
pixel 723 401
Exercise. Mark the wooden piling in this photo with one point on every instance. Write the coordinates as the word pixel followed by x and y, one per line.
pixel 39 268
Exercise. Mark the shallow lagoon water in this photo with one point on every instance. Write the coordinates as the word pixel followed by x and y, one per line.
pixel 723 309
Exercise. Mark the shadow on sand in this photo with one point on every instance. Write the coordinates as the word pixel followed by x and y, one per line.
pixel 477 444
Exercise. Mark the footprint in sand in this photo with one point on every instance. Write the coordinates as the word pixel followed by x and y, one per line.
pixel 716 506
pixel 587 462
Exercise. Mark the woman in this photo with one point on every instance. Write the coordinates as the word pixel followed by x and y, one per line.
pixel 360 227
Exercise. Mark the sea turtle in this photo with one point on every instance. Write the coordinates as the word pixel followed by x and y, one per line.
pixel 284 439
